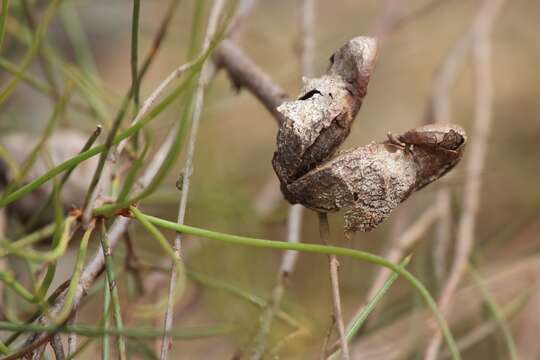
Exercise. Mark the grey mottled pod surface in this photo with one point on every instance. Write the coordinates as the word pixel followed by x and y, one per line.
pixel 318 122
pixel 368 182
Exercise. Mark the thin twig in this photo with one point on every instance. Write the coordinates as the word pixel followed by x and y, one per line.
pixel 327 337
pixel 481 50
pixel 392 20
pixel 113 290
pixel 439 111
pixel 204 77
pixel 333 263
pixel 43 61
pixel 288 262
pixel 37 215
pixel 135 52
pixel 307 36
pixel 147 104
pixel 398 250
pixel 243 72
pixel 96 183
pixel 294 224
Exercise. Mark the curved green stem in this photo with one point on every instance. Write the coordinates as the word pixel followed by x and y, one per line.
pixel 31 52
pixel 113 290
pixel 3 17
pixel 79 263
pixel 319 249
pixel 177 263
pixel 29 239
pixel 44 256
pixel 195 332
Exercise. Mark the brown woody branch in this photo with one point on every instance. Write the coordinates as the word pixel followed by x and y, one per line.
pixel 244 73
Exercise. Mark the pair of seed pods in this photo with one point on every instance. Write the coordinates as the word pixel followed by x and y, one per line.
pixel 369 181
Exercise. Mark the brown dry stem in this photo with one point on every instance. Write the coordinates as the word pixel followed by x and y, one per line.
pixel 481 51
pixel 333 263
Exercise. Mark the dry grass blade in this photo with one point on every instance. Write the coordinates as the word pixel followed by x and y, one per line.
pixel 403 336
pixel 481 50
pixel 334 279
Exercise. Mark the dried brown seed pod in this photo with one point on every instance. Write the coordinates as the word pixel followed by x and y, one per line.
pixel 320 119
pixel 368 182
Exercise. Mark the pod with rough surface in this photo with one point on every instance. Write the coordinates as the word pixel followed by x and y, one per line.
pixel 368 182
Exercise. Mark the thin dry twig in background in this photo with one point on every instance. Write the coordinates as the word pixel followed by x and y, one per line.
pixel 481 51
pixel 392 21
pixel 327 337
pixel 204 77
pixel 294 223
pixel 244 73
pixel 439 111
pixel 333 263
pixel 508 283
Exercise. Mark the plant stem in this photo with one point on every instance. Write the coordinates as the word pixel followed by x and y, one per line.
pixel 318 249
pixel 324 230
pixel 113 289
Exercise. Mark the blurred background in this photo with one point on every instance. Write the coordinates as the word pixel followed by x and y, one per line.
pixel 234 189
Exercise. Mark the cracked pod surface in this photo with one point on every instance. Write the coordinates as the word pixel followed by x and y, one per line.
pixel 318 122
pixel 368 182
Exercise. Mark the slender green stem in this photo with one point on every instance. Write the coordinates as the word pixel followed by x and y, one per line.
pixel 44 62
pixel 30 79
pixel 47 132
pixel 8 279
pixel 58 237
pixel 158 39
pixel 11 163
pixel 3 17
pixel 145 120
pixel 109 142
pixel 177 263
pixel 40 86
pixel 195 332
pixel 132 174
pixel 497 313
pixel 106 323
pixel 43 256
pixel 36 216
pixel 3 348
pixel 360 318
pixel 319 249
pixel 170 160
pixel 135 51
pixel 30 239
pixel 76 160
pixel 74 282
pixel 75 33
pixel 113 289
pixel 39 312
pixel 34 47
pixel 240 293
